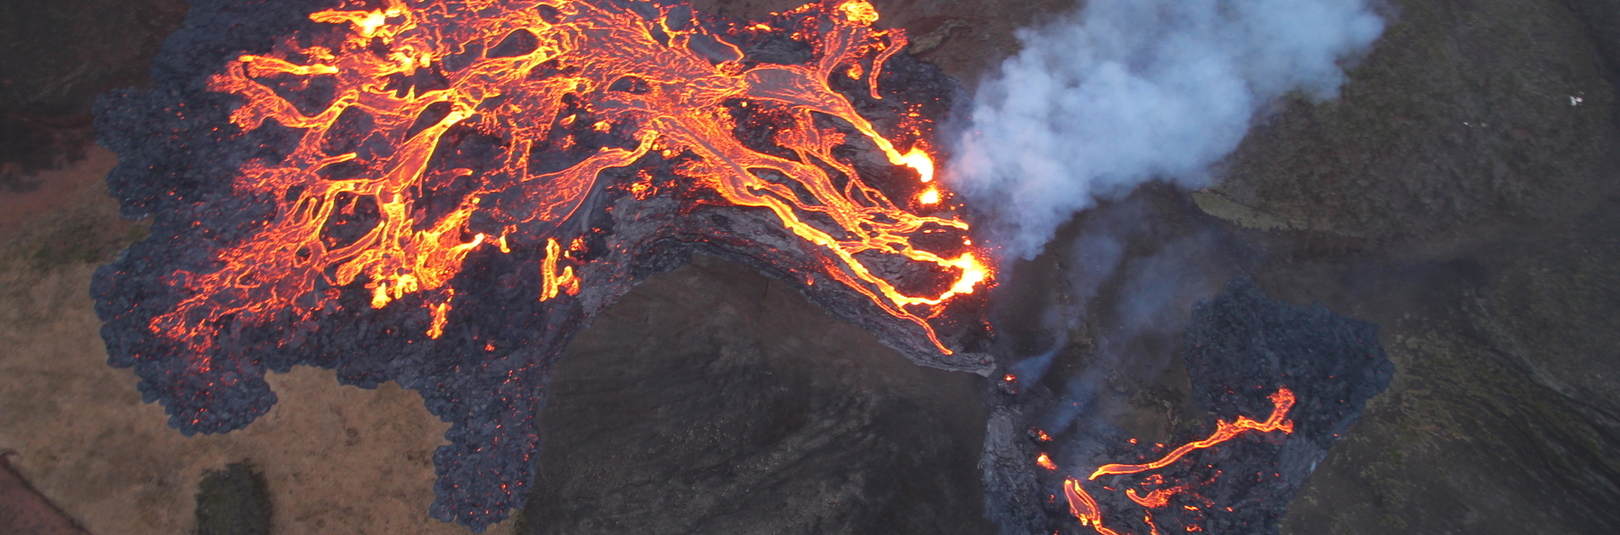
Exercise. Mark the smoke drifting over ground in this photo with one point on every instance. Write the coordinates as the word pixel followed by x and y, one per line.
pixel 1126 91
pixel 1140 281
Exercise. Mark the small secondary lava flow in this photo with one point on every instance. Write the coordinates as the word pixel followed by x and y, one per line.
pixel 442 192
pixel 1279 384
pixel 1160 491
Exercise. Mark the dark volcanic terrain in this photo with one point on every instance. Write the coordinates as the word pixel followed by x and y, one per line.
pixel 1461 194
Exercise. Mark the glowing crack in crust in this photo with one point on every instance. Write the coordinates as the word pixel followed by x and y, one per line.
pixel 660 82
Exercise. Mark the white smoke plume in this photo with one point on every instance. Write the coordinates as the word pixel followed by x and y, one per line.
pixel 1127 91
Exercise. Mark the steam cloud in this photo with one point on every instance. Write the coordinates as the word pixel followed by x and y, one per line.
pixel 1127 91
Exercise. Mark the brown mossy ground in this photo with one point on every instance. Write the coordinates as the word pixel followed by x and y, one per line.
pixel 1462 195
pixel 1466 118
pixel 1501 417
pixel 333 458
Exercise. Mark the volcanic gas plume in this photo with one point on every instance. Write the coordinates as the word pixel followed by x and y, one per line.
pixel 1123 92
pixel 443 192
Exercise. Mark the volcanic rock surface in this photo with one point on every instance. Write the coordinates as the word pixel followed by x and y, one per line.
pixel 1496 307
pixel 1332 364
pixel 715 400
pixel 1240 350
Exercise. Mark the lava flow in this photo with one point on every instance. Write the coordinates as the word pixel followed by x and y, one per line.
pixel 407 75
pixel 1085 508
pixel 443 192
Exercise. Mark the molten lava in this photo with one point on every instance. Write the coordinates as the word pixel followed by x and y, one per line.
pixel 605 83
pixel 1085 508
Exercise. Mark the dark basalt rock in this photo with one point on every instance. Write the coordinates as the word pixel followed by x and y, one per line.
pixel 1240 348
pixel 1332 363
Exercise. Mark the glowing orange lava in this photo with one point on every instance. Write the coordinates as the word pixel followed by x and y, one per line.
pixel 1085 509
pixel 658 81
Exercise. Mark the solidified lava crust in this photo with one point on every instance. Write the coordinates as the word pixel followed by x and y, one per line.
pixel 483 365
pixel 1243 346
pixel 1240 349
